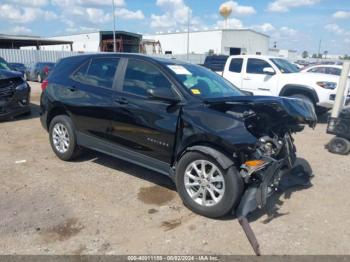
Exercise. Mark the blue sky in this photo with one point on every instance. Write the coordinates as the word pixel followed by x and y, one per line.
pixel 293 24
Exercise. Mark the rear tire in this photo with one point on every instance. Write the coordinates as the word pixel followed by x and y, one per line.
pixel 62 138
pixel 339 145
pixel 226 185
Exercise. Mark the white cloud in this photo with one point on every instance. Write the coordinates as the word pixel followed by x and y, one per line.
pixel 232 23
pixel 127 14
pixel 287 31
pixel 21 30
pixel 29 2
pixel 18 15
pixel 175 14
pixel 69 3
pixel 238 9
pixel 334 28
pixel 341 15
pixel 265 28
pixel 97 16
pixel 286 5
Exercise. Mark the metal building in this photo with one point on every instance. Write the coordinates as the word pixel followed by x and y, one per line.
pixel 100 41
pixel 219 41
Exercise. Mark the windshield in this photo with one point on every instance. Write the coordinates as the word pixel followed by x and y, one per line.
pixel 202 82
pixel 4 65
pixel 285 66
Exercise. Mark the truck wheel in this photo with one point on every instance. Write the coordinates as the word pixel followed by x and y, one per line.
pixel 62 138
pixel 205 187
pixel 339 145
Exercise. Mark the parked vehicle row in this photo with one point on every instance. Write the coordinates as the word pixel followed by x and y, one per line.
pixel 324 69
pixel 39 71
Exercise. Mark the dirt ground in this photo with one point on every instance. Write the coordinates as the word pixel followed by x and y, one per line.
pixel 101 205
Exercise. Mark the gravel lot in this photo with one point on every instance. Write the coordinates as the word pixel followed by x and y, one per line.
pixel 101 205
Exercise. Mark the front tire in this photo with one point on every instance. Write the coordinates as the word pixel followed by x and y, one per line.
pixel 205 187
pixel 62 138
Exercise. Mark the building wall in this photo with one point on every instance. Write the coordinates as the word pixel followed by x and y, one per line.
pixel 29 57
pixel 291 55
pixel 218 40
pixel 200 42
pixel 81 43
pixel 249 41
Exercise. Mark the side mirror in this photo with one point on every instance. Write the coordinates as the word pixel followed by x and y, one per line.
pixel 163 94
pixel 269 71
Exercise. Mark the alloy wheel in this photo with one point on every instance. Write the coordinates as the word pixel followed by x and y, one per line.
pixel 60 138
pixel 204 183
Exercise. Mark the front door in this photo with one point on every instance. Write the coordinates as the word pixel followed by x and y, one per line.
pixel 255 80
pixel 146 126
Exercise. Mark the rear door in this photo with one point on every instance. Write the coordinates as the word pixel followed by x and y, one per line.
pixel 143 125
pixel 233 71
pixel 256 81
pixel 89 96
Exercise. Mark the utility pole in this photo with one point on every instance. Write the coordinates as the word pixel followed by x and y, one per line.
pixel 114 40
pixel 319 50
pixel 188 34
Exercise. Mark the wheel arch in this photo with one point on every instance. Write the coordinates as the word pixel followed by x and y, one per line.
pixel 56 111
pixel 292 89
pixel 213 151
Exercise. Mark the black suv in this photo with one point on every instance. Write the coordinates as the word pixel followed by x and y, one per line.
pixel 223 149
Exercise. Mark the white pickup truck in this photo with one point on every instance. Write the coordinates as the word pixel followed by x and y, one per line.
pixel 274 76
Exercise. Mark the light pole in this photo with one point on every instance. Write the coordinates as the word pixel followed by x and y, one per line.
pixel 188 34
pixel 114 40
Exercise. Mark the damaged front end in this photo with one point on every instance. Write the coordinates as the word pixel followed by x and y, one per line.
pixel 14 95
pixel 272 120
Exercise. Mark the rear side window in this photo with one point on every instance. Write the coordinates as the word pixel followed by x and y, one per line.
pixel 98 72
pixel 321 70
pixel 333 71
pixel 141 76
pixel 236 65
pixel 256 66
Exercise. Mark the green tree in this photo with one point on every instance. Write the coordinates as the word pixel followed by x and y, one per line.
pixel 305 54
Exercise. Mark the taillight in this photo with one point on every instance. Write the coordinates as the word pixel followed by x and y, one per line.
pixel 46 70
pixel 44 84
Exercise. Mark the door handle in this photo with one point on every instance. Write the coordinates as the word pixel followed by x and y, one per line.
pixel 121 100
pixel 247 78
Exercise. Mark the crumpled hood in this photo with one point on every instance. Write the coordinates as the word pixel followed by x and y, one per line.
pixel 295 110
pixel 5 74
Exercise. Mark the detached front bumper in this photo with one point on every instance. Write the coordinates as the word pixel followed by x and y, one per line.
pixel 257 194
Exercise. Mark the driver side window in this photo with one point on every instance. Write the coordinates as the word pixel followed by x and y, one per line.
pixel 256 66
pixel 141 76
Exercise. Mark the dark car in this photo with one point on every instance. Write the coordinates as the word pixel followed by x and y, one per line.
pixel 39 71
pixel 14 95
pixel 223 149
pixel 215 63
pixel 19 67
